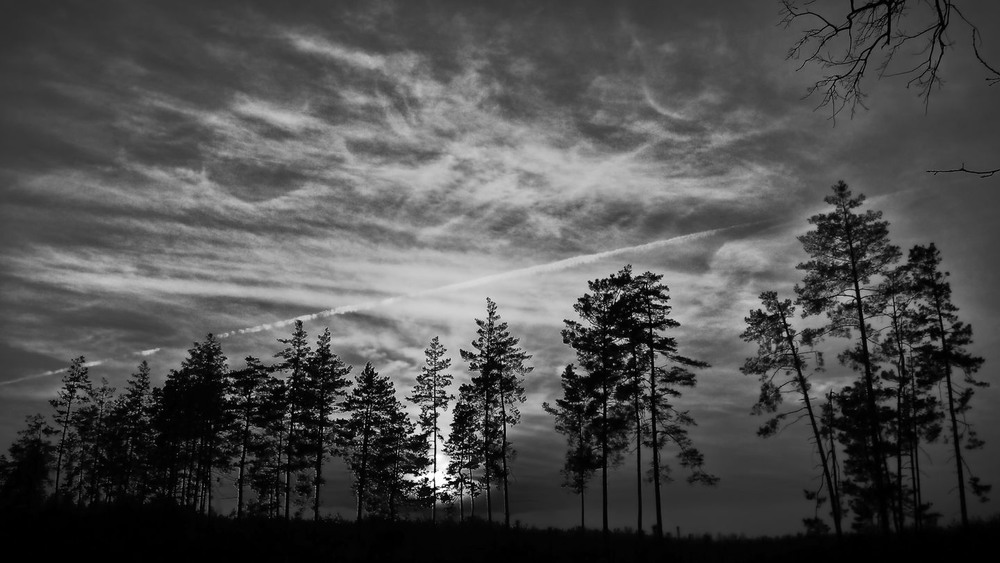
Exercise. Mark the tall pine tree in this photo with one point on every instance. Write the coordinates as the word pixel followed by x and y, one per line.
pixel 848 252
pixel 431 395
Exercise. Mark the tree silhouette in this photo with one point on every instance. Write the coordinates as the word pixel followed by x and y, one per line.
pixel 499 364
pixel 600 352
pixel 295 358
pixel 847 250
pixel 76 382
pixel 25 477
pixel 132 420
pixel 369 405
pixel 646 322
pixel 326 385
pixel 431 395
pixel 945 350
pixel 779 352
pixel 463 447
pixel 248 398
pixel 574 415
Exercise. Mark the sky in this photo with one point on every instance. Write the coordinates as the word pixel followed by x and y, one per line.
pixel 381 168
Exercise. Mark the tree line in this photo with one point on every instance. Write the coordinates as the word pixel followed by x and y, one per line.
pixel 270 429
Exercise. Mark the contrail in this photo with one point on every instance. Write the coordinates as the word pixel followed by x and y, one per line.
pixel 89 364
pixel 556 266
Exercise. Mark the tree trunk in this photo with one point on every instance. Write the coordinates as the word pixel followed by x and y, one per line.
pixel 873 424
pixel 503 458
pixel 62 445
pixel 638 462
pixel 803 386
pixel 956 444
pixel 604 459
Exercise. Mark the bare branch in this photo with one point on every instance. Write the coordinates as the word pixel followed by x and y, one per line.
pixel 980 173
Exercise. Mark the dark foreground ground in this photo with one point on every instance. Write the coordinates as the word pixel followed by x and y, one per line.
pixel 167 534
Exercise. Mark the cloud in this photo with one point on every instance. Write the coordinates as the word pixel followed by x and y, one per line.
pixel 340 53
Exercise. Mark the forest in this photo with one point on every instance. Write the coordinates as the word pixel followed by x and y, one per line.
pixel 268 426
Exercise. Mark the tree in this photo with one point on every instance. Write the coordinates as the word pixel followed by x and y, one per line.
pixel 132 419
pixel 268 447
pixel 646 320
pixel 206 366
pixel 600 351
pixel 400 455
pixel 327 385
pixel 499 364
pixel 847 251
pixel 779 352
pixel 295 358
pixel 463 448
pixel 945 349
pixel 76 382
pixel 369 404
pixel 94 437
pixel 25 476
pixel 869 35
pixel 431 395
pixel 574 415
pixel 248 399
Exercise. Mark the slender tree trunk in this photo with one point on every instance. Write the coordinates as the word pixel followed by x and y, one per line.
pixel 638 461
pixel 487 457
pixel 900 494
pixel 320 448
pixel 653 433
pixel 956 444
pixel 62 445
pixel 872 406
pixel 915 460
pixel 503 458
pixel 461 496
pixel 241 481
pixel 804 387
pixel 604 459
pixel 472 494
pixel 363 474
pixel 288 468
pixel 434 459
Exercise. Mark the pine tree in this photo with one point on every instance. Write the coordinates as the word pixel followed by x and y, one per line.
pixel 780 352
pixel 327 385
pixel 847 251
pixel 248 398
pixel 600 351
pixel 295 358
pixel 945 349
pixel 94 439
pixel 25 477
pixel 648 316
pixel 431 395
pixel 132 416
pixel 499 365
pixel 574 415
pixel 268 447
pixel 369 405
pixel 463 448
pixel 76 383
pixel 399 457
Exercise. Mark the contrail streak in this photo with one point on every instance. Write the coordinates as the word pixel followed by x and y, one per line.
pixel 556 266
pixel 89 364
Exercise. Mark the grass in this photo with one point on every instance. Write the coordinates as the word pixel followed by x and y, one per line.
pixel 109 533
